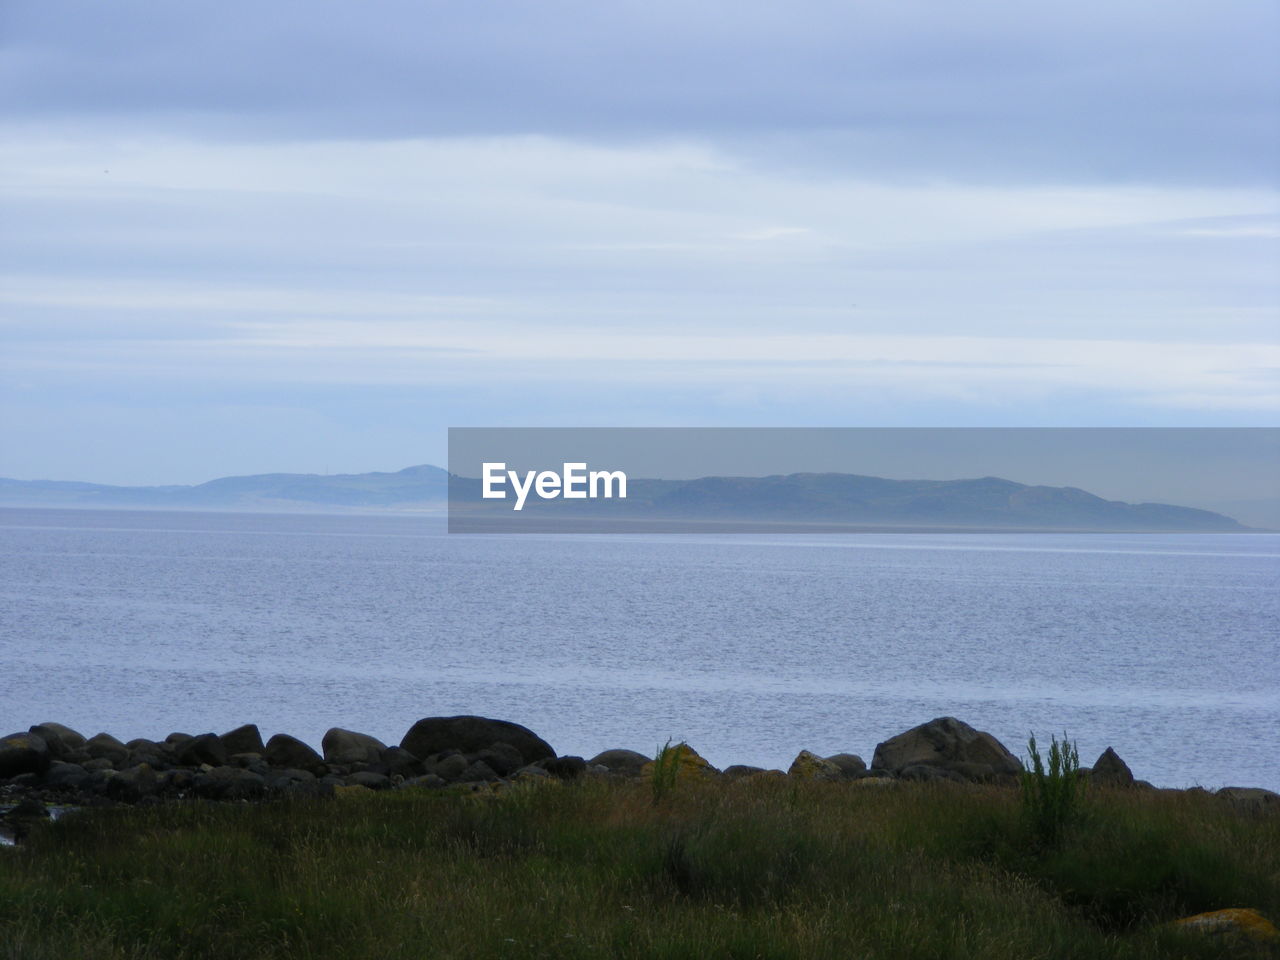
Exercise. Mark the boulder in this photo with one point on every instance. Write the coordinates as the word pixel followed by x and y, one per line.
pixel 149 752
pixel 428 782
pixel 503 758
pixel 61 741
pixel 432 735
pixel 371 781
pixel 448 768
pixel 279 779
pixel 243 739
pixel 23 753
pixel 400 762
pixel 478 772
pixel 1232 924
pixel 741 770
pixel 622 763
pixel 249 761
pixel 68 776
pixel 283 750
pixel 133 784
pixel 926 773
pixel 29 809
pixel 103 746
pixel 347 747
pixel 1250 799
pixel 565 768
pixel 177 781
pixel 533 772
pixel 229 783
pixel 689 765
pixel 810 766
pixel 205 748
pixel 850 764
pixel 949 744
pixel 1111 771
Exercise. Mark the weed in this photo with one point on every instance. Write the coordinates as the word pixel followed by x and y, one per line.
pixel 666 769
pixel 1051 797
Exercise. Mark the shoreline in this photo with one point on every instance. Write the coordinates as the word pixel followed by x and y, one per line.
pixel 51 764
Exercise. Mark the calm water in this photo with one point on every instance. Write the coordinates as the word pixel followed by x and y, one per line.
pixel 1163 646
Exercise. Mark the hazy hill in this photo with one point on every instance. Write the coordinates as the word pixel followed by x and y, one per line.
pixel 413 485
pixel 797 497
pixel 842 498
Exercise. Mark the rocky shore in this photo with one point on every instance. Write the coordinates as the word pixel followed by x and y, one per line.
pixel 51 764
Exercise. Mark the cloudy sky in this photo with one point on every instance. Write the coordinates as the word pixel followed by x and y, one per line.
pixel 243 237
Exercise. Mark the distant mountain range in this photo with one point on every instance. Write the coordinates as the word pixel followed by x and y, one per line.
pixel 411 486
pixel 839 498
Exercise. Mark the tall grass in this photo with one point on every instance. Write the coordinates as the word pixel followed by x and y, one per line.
pixel 666 769
pixel 1051 796
pixel 756 868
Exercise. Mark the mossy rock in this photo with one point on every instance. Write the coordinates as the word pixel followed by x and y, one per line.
pixel 690 765
pixel 1232 923
pixel 810 766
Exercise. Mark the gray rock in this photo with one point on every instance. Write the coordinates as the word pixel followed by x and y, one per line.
pixel 174 739
pixel 400 762
pixel 448 768
pixel 810 766
pixel 243 739
pixel 428 782
pixel 230 783
pixel 177 781
pixel 103 746
pixel 133 784
pixel 468 734
pixel 61 741
pixel 276 779
pixel 478 772
pixel 502 757
pixel 205 748
pixel 374 781
pixel 1250 799
pixel 283 750
pixel 1110 770
pixel 155 755
pixel 850 764
pixel 534 771
pixel 927 773
pixel 23 753
pixel 29 809
pixel 945 743
pixel 250 761
pixel 565 768
pixel 623 763
pixel 347 747
pixel 69 776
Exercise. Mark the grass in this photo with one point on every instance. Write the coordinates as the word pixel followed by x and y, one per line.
pixel 1051 797
pixel 762 868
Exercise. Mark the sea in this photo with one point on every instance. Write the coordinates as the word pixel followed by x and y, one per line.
pixel 749 647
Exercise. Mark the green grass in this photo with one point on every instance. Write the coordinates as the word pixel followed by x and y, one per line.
pixel 757 869
pixel 1051 797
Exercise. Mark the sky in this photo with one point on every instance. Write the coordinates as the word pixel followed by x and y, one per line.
pixel 240 237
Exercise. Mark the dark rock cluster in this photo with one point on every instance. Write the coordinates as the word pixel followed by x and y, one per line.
pixel 53 764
